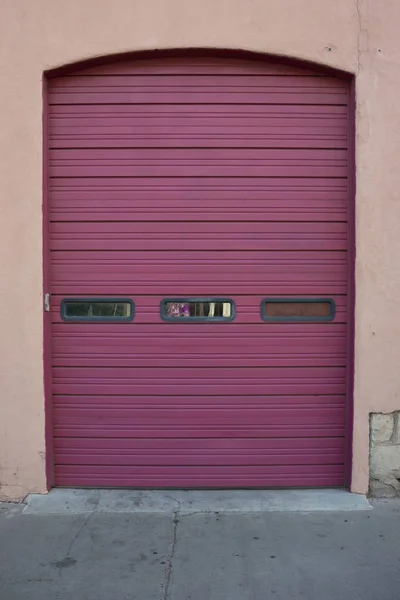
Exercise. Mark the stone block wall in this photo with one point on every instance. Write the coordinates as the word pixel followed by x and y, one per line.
pixel 385 454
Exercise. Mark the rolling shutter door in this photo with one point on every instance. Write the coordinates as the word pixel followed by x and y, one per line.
pixel 199 178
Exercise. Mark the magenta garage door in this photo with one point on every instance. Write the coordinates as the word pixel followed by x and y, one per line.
pixel 199 267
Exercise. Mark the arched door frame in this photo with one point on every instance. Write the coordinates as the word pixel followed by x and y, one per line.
pixel 228 54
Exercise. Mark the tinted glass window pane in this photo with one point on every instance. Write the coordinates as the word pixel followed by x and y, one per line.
pixel 301 310
pixel 97 310
pixel 191 310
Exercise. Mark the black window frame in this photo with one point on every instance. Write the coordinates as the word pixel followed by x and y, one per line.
pixel 292 299
pixel 93 300
pixel 167 319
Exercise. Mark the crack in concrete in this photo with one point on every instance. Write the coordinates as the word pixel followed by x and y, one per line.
pixel 362 32
pixel 394 437
pixel 84 524
pixel 68 561
pixel 199 512
pixel 28 580
pixel 179 503
pixel 177 517
pixel 358 8
pixel 78 533
pixel 170 557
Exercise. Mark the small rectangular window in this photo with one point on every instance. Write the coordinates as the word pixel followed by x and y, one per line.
pixel 297 310
pixel 200 310
pixel 97 309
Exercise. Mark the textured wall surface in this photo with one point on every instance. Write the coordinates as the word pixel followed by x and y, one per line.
pixel 358 36
pixel 385 454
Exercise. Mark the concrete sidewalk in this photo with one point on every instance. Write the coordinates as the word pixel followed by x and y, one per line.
pixel 122 554
pixel 64 501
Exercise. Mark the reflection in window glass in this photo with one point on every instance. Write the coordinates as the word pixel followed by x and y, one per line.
pixel 87 310
pixel 307 309
pixel 177 309
pixel 198 309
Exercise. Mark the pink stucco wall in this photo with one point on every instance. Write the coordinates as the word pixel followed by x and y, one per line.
pixel 359 36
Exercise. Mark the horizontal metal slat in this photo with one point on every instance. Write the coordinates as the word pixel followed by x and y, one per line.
pixel 218 481
pixel 197 346
pixel 263 401
pixel 228 459
pixel 301 470
pixel 202 257
pixel 205 170
pixel 194 65
pixel 177 373
pixel 164 289
pixel 278 386
pixel 113 358
pixel 111 213
pixel 241 317
pixel 174 433
pixel 195 156
pixel 199 111
pixel 197 82
pixel 199 331
pixel 230 481
pixel 200 228
pixel 200 186
pixel 196 445
pixel 229 95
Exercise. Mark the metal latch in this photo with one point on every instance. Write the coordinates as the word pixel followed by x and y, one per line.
pixel 47 302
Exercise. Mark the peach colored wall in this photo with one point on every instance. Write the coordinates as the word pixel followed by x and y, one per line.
pixel 36 35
